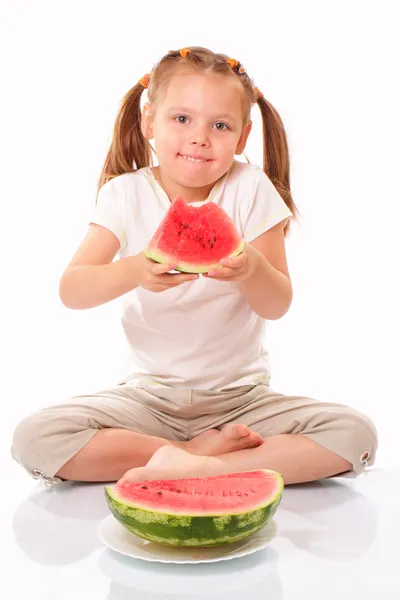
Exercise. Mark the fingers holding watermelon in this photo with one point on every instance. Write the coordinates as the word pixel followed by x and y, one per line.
pixel 236 268
pixel 161 269
pixel 156 277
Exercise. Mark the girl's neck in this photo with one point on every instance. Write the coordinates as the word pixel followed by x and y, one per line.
pixel 173 189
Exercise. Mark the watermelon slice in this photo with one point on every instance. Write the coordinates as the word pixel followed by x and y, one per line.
pixel 199 511
pixel 194 238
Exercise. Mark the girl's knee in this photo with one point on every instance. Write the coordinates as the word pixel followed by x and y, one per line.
pixel 24 435
pixel 365 439
pixel 345 431
pixel 361 426
pixel 41 442
pixel 357 437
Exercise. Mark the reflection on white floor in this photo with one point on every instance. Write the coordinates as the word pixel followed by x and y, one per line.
pixel 334 538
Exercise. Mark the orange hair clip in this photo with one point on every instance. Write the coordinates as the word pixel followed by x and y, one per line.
pixel 232 62
pixel 145 80
pixel 184 52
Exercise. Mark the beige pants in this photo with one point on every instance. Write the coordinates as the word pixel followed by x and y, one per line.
pixel 47 439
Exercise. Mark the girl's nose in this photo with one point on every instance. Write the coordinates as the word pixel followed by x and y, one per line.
pixel 200 141
pixel 200 137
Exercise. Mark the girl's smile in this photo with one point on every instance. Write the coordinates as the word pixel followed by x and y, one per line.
pixel 198 158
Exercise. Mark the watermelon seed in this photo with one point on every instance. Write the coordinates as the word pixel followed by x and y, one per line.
pixel 211 245
pixel 239 493
pixel 159 493
pixel 179 491
pixel 144 487
pixel 215 239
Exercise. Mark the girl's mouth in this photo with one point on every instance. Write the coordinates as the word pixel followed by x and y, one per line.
pixel 194 158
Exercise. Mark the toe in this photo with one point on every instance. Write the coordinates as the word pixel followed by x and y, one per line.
pixel 256 438
pixel 251 440
pixel 132 476
pixel 239 431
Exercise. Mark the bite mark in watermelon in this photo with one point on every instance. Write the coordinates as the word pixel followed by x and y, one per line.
pixel 194 238
pixel 198 511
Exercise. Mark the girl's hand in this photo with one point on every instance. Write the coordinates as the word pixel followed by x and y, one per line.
pixel 154 277
pixel 237 268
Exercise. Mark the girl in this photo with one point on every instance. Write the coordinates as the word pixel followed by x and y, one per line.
pixel 195 399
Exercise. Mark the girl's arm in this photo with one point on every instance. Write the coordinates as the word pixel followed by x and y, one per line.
pixel 269 289
pixel 91 278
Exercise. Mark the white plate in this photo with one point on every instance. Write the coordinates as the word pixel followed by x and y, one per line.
pixel 116 537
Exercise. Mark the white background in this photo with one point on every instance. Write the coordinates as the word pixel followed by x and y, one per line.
pixel 330 68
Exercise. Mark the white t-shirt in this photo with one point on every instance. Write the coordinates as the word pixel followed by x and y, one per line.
pixel 201 334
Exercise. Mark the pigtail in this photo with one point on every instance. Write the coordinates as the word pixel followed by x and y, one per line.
pixel 276 163
pixel 129 149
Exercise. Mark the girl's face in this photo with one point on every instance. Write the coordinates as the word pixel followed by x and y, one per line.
pixel 197 128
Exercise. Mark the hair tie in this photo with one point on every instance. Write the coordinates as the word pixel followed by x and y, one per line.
pixel 259 93
pixel 232 62
pixel 184 52
pixel 145 80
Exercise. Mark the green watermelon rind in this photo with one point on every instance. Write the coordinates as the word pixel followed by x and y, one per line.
pixel 195 531
pixel 186 267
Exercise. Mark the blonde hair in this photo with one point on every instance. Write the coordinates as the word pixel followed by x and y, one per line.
pixel 130 150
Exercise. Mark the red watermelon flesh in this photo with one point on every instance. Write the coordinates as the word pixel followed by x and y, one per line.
pixel 194 238
pixel 223 494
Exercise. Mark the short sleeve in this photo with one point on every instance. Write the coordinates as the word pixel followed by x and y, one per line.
pixel 109 209
pixel 266 207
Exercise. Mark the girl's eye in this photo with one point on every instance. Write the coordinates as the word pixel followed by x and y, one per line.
pixel 220 126
pixel 224 126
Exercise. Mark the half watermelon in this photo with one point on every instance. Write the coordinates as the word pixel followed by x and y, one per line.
pixel 194 238
pixel 198 511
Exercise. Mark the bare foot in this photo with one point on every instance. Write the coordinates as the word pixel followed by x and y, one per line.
pixel 233 436
pixel 170 462
pixel 196 444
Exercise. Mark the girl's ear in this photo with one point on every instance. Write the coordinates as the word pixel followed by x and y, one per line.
pixel 146 124
pixel 243 138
